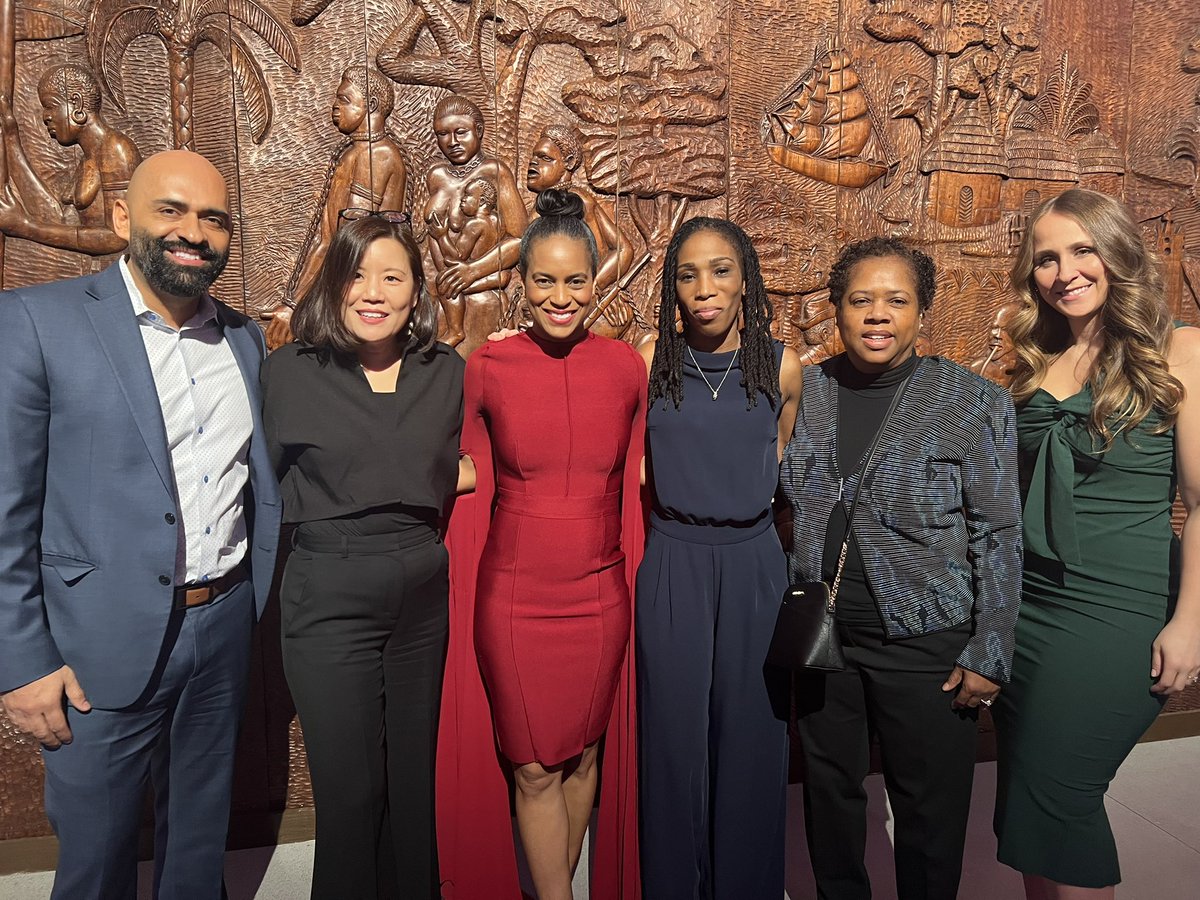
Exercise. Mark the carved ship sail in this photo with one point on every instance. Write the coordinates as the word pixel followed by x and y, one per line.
pixel 823 126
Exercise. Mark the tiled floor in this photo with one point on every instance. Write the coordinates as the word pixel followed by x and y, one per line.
pixel 1154 806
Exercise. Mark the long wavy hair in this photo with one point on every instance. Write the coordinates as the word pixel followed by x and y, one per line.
pixel 760 374
pixel 1130 378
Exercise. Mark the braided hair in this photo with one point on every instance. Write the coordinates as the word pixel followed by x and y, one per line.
pixel 760 373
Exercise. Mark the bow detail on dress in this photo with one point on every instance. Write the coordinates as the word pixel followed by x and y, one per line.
pixel 1059 432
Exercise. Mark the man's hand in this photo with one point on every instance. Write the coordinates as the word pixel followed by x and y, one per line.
pixel 974 689
pixel 37 708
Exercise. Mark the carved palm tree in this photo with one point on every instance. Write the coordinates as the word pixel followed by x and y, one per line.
pixel 182 26
pixel 459 63
pixel 1064 108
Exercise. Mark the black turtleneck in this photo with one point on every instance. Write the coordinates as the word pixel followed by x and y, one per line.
pixel 863 401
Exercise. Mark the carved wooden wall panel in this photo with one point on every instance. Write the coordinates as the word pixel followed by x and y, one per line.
pixel 810 124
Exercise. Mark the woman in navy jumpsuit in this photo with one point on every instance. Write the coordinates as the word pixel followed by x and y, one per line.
pixel 712 717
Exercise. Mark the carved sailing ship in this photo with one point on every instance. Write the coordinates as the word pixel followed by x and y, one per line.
pixel 823 126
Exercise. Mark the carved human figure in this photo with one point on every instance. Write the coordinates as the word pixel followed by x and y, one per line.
pixel 367 171
pixel 818 327
pixel 78 217
pixel 469 287
pixel 481 232
pixel 555 158
pixel 1191 55
pixel 997 364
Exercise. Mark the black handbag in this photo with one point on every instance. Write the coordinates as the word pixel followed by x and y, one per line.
pixel 806 635
pixel 806 631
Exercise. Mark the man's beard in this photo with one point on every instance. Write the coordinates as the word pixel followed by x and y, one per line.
pixel 171 278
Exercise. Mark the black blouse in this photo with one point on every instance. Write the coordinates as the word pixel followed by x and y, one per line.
pixel 340 449
pixel 863 401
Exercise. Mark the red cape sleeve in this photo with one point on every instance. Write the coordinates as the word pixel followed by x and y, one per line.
pixel 615 871
pixel 474 824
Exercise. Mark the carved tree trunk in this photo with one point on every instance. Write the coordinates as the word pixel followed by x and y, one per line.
pixel 942 108
pixel 510 89
pixel 181 65
pixel 8 57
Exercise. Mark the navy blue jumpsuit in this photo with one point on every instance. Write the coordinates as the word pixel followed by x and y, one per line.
pixel 712 719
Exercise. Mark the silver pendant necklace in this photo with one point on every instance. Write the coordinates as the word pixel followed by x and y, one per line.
pixel 715 390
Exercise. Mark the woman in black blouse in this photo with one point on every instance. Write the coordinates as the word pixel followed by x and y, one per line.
pixel 362 417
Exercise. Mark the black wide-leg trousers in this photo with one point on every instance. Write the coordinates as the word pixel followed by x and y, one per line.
pixel 892 688
pixel 364 647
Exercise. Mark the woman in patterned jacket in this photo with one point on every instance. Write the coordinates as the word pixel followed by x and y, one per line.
pixel 930 584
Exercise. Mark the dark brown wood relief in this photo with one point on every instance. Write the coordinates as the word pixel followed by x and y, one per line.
pixel 810 124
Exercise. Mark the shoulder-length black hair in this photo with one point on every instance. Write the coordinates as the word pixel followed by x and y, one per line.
pixel 318 320
pixel 760 373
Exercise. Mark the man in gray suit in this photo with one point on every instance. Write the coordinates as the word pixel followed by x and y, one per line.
pixel 139 518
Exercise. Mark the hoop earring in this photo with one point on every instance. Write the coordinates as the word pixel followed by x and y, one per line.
pixel 78 116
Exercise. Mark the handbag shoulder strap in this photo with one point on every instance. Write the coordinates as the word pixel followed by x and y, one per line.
pixel 864 482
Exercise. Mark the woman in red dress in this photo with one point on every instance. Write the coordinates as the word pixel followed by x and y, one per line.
pixel 554 423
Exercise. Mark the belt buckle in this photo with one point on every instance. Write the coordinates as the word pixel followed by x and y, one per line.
pixel 181 596
pixel 213 588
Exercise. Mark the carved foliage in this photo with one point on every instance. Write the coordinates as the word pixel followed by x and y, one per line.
pixel 182 25
pixel 651 126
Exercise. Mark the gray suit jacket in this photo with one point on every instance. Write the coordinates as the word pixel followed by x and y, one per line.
pixel 87 498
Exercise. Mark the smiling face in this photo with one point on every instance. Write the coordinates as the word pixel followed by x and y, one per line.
pixel 176 219
pixel 1067 270
pixel 559 286
pixel 879 316
pixel 546 166
pixel 349 107
pixel 381 294
pixel 458 137
pixel 710 286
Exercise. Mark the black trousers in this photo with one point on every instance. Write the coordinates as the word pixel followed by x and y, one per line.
pixel 364 647
pixel 891 688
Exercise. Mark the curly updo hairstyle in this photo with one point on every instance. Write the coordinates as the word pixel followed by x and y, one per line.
pixel 559 212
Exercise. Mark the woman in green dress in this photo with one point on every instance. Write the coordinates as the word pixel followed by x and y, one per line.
pixel 1108 424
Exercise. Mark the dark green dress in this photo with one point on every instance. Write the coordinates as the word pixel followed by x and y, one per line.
pixel 1101 566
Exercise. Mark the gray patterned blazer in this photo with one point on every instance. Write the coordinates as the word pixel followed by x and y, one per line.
pixel 939 528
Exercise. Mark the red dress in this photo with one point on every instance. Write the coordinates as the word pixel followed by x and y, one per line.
pixel 542 565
